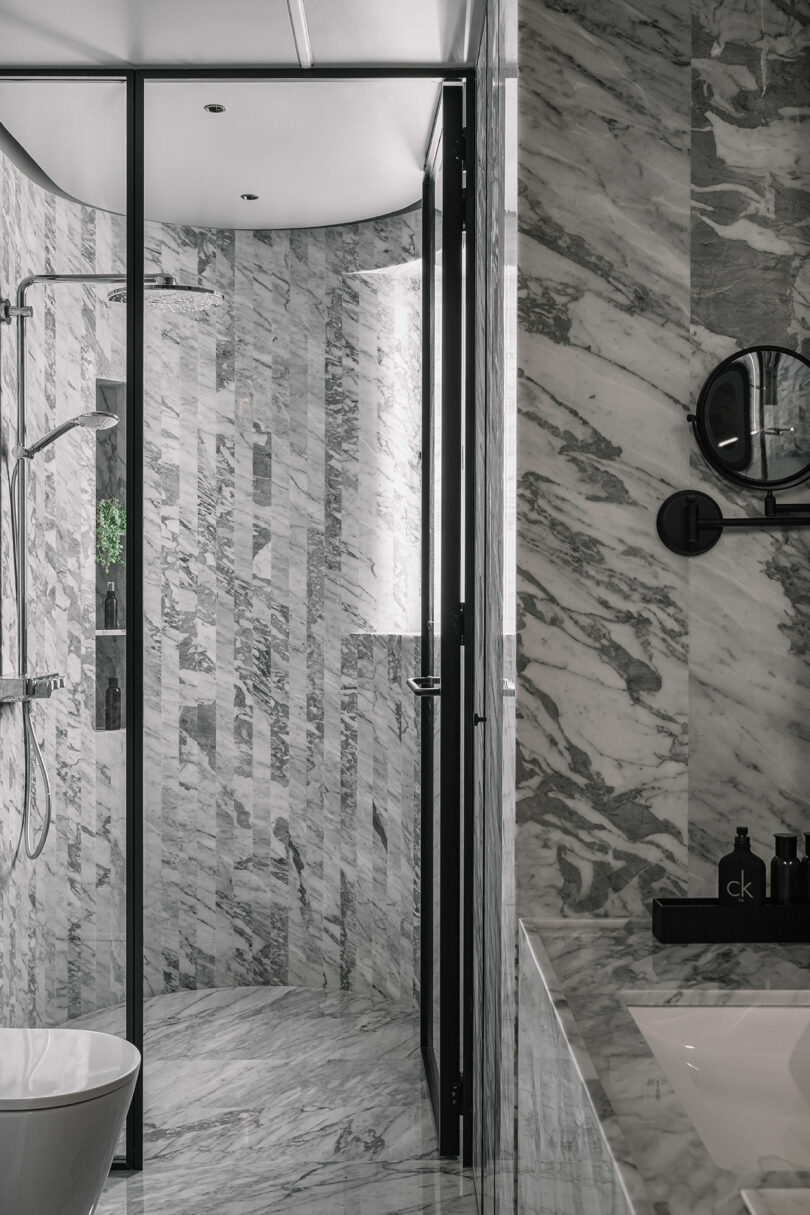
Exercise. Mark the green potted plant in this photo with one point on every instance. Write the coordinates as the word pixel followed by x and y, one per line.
pixel 110 532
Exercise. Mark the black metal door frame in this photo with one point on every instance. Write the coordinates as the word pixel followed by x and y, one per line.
pixel 450 1097
pixel 135 80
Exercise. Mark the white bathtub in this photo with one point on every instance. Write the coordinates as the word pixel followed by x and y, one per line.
pixel 743 1077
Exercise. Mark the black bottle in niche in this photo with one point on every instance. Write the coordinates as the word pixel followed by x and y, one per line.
pixel 110 607
pixel 112 705
pixel 787 872
pixel 741 875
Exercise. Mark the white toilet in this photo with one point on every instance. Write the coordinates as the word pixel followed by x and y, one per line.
pixel 64 1095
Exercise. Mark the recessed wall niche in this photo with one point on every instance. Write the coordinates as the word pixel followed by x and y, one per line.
pixel 111 484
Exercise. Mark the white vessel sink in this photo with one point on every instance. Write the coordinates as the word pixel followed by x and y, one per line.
pixel 743 1077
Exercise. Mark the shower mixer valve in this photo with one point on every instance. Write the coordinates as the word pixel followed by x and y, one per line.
pixel 16 688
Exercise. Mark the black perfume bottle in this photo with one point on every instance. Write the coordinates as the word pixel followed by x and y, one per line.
pixel 110 607
pixel 112 705
pixel 741 875
pixel 786 871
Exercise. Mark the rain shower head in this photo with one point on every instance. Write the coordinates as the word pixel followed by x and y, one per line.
pixel 164 294
pixel 97 420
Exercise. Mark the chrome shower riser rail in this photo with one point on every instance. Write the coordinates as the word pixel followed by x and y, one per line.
pixel 33 688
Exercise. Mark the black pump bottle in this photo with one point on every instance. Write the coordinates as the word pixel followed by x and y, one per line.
pixel 786 871
pixel 741 875
pixel 112 705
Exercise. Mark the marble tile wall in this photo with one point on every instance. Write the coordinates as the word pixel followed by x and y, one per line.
pixel 282 491
pixel 661 227
pixel 748 608
pixel 61 917
pixel 663 207
pixel 282 599
pixel 603 389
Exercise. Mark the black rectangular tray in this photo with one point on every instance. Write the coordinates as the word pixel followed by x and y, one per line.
pixel 698 921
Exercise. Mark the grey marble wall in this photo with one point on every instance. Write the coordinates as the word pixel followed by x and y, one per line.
pixel 663 209
pixel 282 491
pixel 748 607
pixel 282 605
pixel 61 917
pixel 661 227
pixel 603 352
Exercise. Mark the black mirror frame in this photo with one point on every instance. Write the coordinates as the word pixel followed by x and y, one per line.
pixel 705 445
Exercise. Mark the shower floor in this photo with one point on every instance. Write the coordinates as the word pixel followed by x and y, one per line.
pixel 268 1099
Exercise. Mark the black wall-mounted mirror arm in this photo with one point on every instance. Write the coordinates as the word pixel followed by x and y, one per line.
pixel 774 508
pixel 690 522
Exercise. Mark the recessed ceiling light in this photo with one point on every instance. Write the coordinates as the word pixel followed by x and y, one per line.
pixel 249 197
pixel 214 107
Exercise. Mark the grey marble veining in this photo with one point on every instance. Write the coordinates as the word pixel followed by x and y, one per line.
pixel 61 918
pixel 662 226
pixel 663 207
pixel 289 1100
pixel 750 270
pixel 603 354
pixel 281 606
pixel 662 1163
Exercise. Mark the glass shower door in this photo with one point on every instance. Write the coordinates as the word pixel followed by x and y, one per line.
pixel 440 685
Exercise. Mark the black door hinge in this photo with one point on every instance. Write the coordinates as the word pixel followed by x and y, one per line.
pixel 457 1094
pixel 461 623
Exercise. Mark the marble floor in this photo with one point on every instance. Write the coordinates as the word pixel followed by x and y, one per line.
pixel 264 1100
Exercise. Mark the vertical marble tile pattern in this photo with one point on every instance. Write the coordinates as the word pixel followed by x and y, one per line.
pixel 749 617
pixel 282 551
pixel 62 918
pixel 603 386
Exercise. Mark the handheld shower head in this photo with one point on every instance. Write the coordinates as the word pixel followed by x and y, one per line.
pixel 96 420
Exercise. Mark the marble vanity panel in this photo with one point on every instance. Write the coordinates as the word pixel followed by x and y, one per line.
pixel 749 618
pixel 62 917
pixel 282 485
pixel 565 1166
pixel 603 384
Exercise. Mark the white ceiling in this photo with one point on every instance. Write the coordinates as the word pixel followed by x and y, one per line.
pixel 317 152
pixel 101 32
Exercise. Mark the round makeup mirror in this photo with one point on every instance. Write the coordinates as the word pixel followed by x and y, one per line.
pixel 753 418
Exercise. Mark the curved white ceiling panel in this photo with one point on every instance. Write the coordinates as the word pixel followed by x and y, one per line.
pixel 76 131
pixel 315 152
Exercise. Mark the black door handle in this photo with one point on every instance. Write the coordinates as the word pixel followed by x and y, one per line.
pixel 425 685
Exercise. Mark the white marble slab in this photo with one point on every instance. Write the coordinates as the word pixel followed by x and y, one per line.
pixel 592 971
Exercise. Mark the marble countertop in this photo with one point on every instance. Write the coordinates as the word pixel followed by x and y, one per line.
pixel 595 969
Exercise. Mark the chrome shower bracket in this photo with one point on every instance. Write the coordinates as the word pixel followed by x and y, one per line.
pixel 17 688
pixel 8 312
